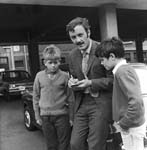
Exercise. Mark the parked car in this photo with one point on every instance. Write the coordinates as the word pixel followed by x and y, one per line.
pixel 29 115
pixel 17 81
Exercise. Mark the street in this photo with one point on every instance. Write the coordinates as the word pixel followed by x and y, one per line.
pixel 13 134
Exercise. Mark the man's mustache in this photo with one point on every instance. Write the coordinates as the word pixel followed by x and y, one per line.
pixel 80 43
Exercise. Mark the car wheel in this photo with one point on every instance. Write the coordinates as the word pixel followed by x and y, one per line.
pixel 28 121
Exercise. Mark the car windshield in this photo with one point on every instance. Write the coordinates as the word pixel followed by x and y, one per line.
pixel 15 76
pixel 142 74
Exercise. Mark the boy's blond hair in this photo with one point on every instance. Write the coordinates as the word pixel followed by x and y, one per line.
pixel 51 52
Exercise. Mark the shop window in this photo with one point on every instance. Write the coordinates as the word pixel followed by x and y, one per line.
pixel 3 60
pixel 19 63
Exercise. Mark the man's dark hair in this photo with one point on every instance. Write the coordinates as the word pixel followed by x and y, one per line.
pixel 108 46
pixel 77 21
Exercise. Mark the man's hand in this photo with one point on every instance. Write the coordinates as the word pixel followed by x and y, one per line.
pixel 72 82
pixel 84 83
pixel 75 84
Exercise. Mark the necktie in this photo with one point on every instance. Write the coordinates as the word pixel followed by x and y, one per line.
pixel 84 70
pixel 85 63
pixel 84 67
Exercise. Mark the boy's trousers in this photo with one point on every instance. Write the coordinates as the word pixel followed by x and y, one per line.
pixel 134 138
pixel 56 130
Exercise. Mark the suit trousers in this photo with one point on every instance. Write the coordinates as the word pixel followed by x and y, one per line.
pixel 56 130
pixel 90 129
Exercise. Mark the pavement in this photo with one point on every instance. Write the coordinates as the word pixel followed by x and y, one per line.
pixel 13 134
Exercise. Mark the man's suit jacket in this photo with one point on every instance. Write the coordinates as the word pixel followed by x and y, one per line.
pixel 95 72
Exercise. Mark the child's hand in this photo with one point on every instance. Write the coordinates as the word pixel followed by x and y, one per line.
pixel 71 123
pixel 39 121
pixel 117 127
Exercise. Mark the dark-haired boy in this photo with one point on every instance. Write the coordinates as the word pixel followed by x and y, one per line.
pixel 127 103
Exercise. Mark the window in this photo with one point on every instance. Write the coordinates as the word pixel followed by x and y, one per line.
pixel 19 63
pixel 3 60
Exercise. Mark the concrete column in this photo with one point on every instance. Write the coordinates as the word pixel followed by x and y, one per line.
pixel 33 58
pixel 108 21
pixel 12 57
pixel 139 48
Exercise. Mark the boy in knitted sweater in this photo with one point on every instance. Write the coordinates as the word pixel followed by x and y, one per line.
pixel 51 101
pixel 127 102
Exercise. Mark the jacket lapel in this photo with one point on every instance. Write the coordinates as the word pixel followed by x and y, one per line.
pixel 91 56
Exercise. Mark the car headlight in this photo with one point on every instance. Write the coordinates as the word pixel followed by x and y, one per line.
pixel 21 88
pixel 11 86
pixel 14 87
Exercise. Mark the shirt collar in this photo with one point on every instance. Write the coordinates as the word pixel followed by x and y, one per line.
pixel 120 63
pixel 89 48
